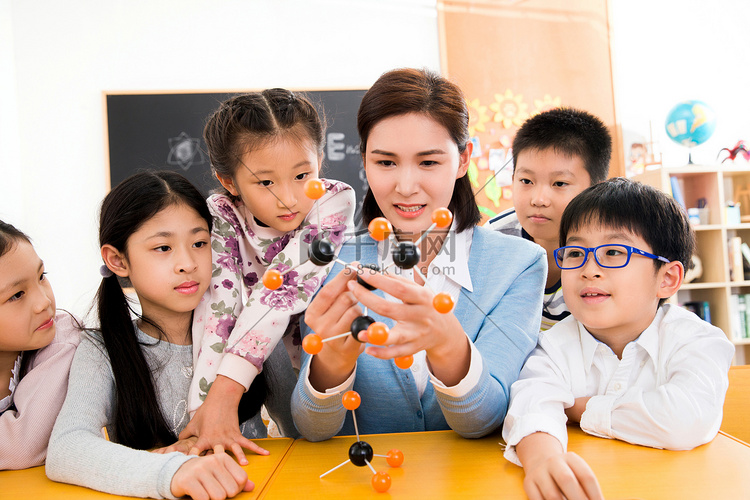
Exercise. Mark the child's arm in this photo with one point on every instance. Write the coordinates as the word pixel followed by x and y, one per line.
pixel 261 318
pixel 79 454
pixel 551 472
pixel 684 410
pixel 26 430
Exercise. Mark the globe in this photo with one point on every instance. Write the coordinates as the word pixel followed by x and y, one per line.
pixel 690 123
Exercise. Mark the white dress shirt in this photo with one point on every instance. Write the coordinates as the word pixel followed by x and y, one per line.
pixel 667 391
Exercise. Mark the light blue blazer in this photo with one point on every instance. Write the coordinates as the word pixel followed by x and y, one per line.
pixel 501 317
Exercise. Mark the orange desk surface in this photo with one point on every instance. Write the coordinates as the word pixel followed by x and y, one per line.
pixel 33 483
pixel 444 465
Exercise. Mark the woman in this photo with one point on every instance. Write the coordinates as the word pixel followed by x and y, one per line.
pixel 416 151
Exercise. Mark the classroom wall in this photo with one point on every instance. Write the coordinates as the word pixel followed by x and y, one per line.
pixel 57 58
pixel 667 51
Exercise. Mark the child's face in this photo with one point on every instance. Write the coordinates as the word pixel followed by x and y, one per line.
pixel 27 305
pixel 271 182
pixel 614 304
pixel 169 262
pixel 412 164
pixel 544 182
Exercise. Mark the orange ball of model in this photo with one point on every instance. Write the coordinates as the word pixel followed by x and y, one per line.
pixel 315 189
pixel 272 279
pixel 379 228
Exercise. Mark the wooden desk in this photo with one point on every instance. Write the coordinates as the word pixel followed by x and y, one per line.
pixel 33 483
pixel 444 465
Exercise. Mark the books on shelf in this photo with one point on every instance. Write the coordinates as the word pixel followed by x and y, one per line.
pixel 674 182
pixel 739 311
pixel 736 259
pixel 701 308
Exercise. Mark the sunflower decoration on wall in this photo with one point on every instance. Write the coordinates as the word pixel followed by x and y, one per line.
pixel 477 117
pixel 509 109
pixel 545 104
pixel 492 128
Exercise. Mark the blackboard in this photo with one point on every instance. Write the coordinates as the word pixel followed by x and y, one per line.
pixel 165 132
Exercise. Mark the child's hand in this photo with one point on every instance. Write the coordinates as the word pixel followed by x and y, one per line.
pixel 215 476
pixel 418 326
pixel 331 313
pixel 216 424
pixel 183 446
pixel 564 475
pixel 575 412
pixel 552 473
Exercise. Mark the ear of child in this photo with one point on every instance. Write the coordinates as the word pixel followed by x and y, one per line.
pixel 670 277
pixel 114 260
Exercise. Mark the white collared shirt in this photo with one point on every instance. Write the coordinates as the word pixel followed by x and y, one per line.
pixel 448 272
pixel 667 391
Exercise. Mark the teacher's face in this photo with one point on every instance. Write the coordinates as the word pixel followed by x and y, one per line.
pixel 412 165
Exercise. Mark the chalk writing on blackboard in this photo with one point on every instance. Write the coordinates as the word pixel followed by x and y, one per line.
pixel 185 151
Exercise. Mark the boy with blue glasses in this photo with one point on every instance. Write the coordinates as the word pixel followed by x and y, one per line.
pixel 624 364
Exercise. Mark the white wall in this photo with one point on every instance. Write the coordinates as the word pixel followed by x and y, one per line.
pixel 667 51
pixel 56 59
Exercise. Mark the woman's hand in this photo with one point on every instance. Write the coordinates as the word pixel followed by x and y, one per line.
pixel 216 423
pixel 331 313
pixel 213 477
pixel 418 326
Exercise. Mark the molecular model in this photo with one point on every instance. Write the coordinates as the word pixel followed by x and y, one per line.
pixel 406 255
pixel 361 454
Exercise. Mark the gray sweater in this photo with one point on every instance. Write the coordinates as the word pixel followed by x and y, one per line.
pixel 79 454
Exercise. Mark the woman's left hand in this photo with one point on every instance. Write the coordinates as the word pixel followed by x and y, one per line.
pixel 418 326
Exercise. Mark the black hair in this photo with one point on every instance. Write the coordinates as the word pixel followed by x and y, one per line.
pixel 403 91
pixel 638 208
pixel 137 417
pixel 9 238
pixel 245 121
pixel 571 132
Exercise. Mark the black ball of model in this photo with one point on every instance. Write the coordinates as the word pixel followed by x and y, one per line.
pixel 405 254
pixel 360 324
pixel 321 251
pixel 372 267
pixel 359 452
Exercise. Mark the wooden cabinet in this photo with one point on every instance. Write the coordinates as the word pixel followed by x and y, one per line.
pixel 715 187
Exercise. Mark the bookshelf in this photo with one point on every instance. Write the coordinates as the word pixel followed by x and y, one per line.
pixel 714 187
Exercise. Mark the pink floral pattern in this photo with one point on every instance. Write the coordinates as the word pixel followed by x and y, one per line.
pixel 238 316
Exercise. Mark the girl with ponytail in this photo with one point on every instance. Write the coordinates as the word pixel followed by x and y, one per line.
pixel 131 376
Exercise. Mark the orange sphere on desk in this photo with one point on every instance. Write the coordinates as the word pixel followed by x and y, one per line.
pixel 381 482
pixel 395 458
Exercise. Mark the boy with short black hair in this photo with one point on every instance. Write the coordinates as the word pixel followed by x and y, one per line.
pixel 556 155
pixel 624 364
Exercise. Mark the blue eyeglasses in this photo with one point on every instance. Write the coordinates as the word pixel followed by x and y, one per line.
pixel 609 256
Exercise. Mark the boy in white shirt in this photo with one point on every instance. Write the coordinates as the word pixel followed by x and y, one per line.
pixel 624 364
